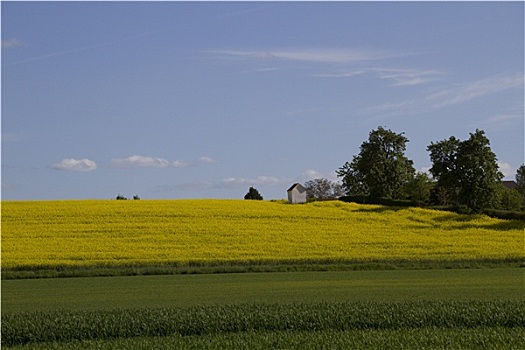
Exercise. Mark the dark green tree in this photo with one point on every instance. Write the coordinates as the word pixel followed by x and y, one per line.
pixel 353 180
pixel 520 180
pixel 466 170
pixel 381 168
pixel 443 155
pixel 253 194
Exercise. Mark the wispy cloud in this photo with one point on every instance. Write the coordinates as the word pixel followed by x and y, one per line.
pixel 408 77
pixel 476 89
pixel 142 161
pixel 448 97
pixel 66 52
pixel 314 55
pixel 80 165
pixel 398 76
pixel 13 42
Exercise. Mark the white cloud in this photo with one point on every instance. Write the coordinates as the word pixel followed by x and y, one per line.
pixel 259 180
pixel 13 42
pixel 178 164
pixel 507 169
pixel 207 160
pixel 70 164
pixel 312 174
pixel 141 161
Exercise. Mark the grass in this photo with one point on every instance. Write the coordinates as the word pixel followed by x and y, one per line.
pixel 194 290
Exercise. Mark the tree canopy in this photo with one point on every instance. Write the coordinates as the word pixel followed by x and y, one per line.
pixel 320 189
pixel 381 168
pixel 466 171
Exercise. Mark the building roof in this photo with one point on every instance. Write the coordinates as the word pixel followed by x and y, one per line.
pixel 510 184
pixel 297 184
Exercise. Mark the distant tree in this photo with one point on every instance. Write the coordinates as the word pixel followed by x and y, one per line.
pixel 419 189
pixel 466 171
pixel 136 197
pixel 121 197
pixel 320 189
pixel 253 194
pixel 381 168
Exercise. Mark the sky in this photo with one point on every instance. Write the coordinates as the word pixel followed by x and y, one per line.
pixel 170 100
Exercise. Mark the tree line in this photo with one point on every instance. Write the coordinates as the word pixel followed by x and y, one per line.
pixel 464 173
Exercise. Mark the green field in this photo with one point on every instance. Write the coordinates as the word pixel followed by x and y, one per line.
pixel 350 276
pixel 362 309
pixel 221 289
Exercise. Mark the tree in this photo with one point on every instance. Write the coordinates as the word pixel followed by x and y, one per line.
pixel 381 168
pixel 420 188
pixel 508 199
pixel 466 170
pixel 520 180
pixel 253 194
pixel 353 180
pixel 443 156
pixel 320 189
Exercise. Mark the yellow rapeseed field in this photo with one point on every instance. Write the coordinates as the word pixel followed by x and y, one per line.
pixel 84 233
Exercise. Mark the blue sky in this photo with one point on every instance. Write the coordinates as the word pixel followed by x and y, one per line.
pixel 204 100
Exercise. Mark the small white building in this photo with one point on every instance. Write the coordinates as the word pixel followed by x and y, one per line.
pixel 297 194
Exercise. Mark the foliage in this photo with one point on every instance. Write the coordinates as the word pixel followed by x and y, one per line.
pixel 466 171
pixel 253 194
pixel 40 235
pixel 520 181
pixel 443 156
pixel 508 199
pixel 381 168
pixel 64 326
pixel 419 189
pixel 322 189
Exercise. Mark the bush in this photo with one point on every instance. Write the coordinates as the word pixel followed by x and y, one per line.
pixel 505 214
pixel 380 201
pixel 253 194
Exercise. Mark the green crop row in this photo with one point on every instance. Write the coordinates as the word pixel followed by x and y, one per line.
pixel 61 326
pixel 493 338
